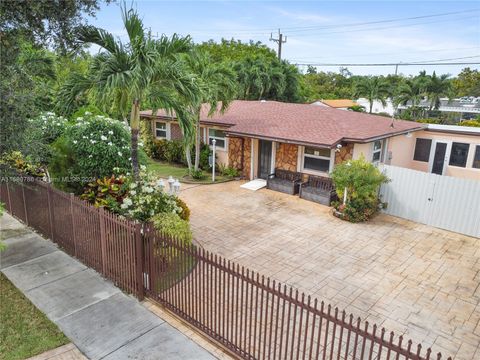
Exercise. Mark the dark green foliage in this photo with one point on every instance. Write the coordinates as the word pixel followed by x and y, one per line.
pixel 361 180
pixel 197 174
pixel 205 153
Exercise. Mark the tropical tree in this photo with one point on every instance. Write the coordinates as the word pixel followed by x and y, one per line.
pixel 413 91
pixel 372 88
pixel 438 87
pixel 216 88
pixel 122 76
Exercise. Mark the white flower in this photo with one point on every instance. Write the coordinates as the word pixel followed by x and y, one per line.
pixel 147 189
pixel 93 141
pixel 79 118
pixel 143 167
pixel 133 185
pixel 75 141
pixel 110 143
pixel 103 137
pixel 133 192
pixel 88 113
pixel 119 153
pixel 90 156
pixel 110 132
pixel 127 202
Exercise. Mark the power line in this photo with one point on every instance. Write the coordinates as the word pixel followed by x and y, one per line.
pixel 388 64
pixel 419 62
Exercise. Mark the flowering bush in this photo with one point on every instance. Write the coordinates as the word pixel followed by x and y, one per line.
pixel 23 165
pixel 90 149
pixel 172 225
pixel 49 126
pixel 146 198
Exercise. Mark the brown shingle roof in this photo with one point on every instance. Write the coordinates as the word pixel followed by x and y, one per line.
pixel 303 123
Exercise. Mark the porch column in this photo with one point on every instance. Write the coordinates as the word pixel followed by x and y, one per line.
pixel 251 159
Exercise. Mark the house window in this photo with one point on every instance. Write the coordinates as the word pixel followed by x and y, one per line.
pixel 316 159
pixel 459 154
pixel 217 135
pixel 476 158
pixel 422 150
pixel 377 151
pixel 161 130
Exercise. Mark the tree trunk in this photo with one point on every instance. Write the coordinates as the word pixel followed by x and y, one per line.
pixel 188 155
pixel 134 125
pixel 371 105
pixel 198 139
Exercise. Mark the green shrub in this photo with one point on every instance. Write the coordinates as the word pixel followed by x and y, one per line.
pixel 229 171
pixel 185 213
pixel 174 151
pixel 197 174
pixel 205 153
pixel 172 225
pixel 90 149
pixel 471 123
pixel 362 181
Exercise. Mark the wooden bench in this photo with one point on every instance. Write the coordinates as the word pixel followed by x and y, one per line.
pixel 284 181
pixel 318 189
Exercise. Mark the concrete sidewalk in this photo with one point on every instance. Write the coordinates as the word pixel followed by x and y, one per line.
pixel 99 319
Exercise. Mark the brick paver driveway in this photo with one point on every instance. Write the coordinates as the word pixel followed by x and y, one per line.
pixel 410 278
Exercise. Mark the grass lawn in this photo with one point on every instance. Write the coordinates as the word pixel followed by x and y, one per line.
pixel 164 170
pixel 24 330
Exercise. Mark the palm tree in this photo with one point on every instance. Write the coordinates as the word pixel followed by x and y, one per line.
pixel 412 90
pixel 122 76
pixel 439 86
pixel 372 88
pixel 216 87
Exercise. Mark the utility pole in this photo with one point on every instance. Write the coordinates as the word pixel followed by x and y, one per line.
pixel 279 41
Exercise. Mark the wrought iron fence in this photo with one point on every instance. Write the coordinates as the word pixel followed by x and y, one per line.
pixel 251 315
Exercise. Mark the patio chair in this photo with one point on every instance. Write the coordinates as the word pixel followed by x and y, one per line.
pixel 284 181
pixel 318 189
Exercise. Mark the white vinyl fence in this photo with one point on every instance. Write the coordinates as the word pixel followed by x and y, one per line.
pixel 441 201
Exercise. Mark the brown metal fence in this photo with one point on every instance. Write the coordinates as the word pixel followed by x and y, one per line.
pixel 253 316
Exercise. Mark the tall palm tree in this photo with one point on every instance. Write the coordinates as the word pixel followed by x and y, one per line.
pixel 123 75
pixel 372 88
pixel 439 86
pixel 216 88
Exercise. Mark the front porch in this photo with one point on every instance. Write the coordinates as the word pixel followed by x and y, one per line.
pixel 259 159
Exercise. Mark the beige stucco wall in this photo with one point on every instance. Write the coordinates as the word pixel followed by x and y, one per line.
pixel 402 149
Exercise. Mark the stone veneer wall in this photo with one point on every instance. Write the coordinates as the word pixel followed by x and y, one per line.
pixel 345 153
pixel 235 154
pixel 286 157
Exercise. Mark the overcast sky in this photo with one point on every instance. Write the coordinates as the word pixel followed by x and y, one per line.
pixel 326 32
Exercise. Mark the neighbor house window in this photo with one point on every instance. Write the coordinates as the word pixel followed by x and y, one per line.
pixel 476 158
pixel 217 135
pixel 459 154
pixel 422 150
pixel 161 130
pixel 377 151
pixel 316 159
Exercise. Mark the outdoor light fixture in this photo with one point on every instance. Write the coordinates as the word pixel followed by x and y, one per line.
pixel 176 187
pixel 161 184
pixel 213 160
pixel 170 184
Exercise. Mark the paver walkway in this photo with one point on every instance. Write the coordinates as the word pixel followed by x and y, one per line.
pixel 412 279
pixel 100 320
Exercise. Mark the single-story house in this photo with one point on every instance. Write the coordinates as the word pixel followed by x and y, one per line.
pixel 440 149
pixel 341 104
pixel 257 137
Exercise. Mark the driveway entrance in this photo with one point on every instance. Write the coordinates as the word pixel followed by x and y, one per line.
pixel 410 278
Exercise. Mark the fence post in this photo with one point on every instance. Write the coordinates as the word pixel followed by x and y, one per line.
pixel 103 240
pixel 139 261
pixel 50 210
pixel 8 197
pixel 24 202
pixel 72 196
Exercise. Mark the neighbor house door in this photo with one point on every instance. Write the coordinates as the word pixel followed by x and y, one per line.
pixel 439 158
pixel 264 158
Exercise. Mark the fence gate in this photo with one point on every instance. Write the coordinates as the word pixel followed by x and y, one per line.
pixel 441 201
